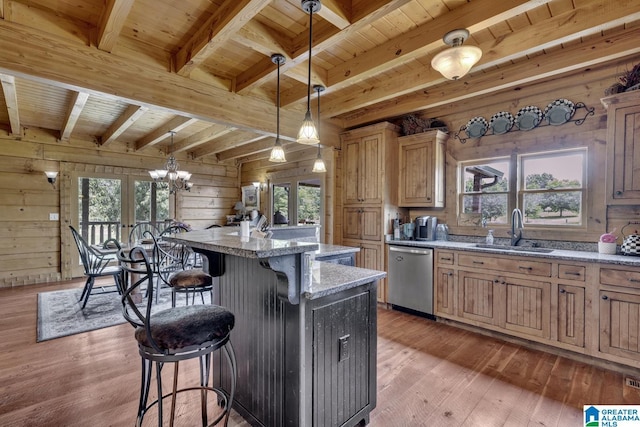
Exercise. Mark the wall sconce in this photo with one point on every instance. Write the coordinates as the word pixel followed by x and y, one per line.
pixel 51 177
pixel 260 185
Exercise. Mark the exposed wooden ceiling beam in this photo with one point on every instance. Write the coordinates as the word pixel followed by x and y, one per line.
pixel 265 144
pixel 204 136
pixel 606 48
pixel 174 125
pixel 78 101
pixel 111 22
pixel 11 99
pixel 472 16
pixel 256 36
pixel 335 13
pixel 562 28
pixel 26 52
pixel 221 26
pixel 126 119
pixel 226 142
pixel 325 35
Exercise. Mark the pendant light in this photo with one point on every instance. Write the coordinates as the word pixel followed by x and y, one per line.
pixel 456 61
pixel 318 165
pixel 277 152
pixel 308 133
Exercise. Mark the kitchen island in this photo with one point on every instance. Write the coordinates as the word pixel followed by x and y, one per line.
pixel 305 333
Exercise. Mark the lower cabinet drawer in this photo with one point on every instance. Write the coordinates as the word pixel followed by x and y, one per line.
pixel 511 265
pixel 620 277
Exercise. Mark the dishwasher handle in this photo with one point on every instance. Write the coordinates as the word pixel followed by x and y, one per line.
pixel 410 250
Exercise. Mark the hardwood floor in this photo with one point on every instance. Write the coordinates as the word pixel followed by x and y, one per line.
pixel 429 374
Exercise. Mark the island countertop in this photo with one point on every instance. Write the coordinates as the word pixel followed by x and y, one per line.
pixel 219 240
pixel 328 279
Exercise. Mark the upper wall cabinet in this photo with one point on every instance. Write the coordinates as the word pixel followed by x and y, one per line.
pixel 623 147
pixel 366 168
pixel 421 158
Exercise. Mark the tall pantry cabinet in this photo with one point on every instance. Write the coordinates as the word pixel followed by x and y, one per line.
pixel 369 193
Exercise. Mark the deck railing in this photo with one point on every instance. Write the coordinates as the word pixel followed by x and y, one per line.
pixel 97 232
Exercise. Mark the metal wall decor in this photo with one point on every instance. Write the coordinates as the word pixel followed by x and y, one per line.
pixel 556 113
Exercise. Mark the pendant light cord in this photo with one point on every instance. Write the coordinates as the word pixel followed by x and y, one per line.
pixel 310 45
pixel 278 105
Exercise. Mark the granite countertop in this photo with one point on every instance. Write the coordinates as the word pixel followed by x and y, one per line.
pixel 327 278
pixel 220 240
pixel 556 254
pixel 326 250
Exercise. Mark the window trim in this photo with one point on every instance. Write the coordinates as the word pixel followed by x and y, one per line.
pixel 516 191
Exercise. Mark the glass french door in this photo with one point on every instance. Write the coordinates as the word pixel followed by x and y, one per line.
pixel 107 207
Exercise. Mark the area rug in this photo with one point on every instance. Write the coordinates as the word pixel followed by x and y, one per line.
pixel 59 312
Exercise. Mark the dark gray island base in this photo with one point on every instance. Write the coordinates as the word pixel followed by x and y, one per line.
pixel 305 333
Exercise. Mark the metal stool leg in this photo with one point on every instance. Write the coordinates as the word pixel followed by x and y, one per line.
pixel 159 384
pixel 145 384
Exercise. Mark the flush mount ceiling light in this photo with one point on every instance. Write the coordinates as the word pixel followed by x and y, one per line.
pixel 176 179
pixel 456 61
pixel 318 165
pixel 277 152
pixel 308 133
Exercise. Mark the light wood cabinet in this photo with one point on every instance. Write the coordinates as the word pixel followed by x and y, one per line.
pixel 363 166
pixel 363 223
pixel 421 165
pixel 623 148
pixel 444 289
pixel 620 324
pixel 477 297
pixel 620 312
pixel 371 256
pixel 369 193
pixel 570 314
pixel 524 306
pixel 512 295
pixel 587 308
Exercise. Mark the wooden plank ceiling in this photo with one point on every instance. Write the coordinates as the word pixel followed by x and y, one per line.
pixel 128 72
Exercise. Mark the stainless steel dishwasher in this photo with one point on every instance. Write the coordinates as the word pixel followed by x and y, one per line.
pixel 411 278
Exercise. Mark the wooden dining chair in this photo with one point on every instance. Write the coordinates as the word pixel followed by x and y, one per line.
pixel 95 265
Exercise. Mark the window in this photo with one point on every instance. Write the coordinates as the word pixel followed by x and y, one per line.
pixel 485 195
pixel 297 201
pixel 550 189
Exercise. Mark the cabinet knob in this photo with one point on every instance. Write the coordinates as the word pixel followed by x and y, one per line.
pixel 562 291
pixel 449 274
pixel 618 193
pixel 604 297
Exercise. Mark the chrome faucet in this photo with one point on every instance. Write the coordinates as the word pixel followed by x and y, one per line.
pixel 516 226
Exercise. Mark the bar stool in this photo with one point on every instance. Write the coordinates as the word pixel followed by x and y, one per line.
pixel 175 266
pixel 172 335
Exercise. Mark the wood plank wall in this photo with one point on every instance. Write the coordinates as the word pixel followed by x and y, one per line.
pixel 37 250
pixel 299 163
pixel 587 86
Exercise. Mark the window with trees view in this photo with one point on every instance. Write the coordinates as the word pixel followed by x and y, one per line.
pixel 550 189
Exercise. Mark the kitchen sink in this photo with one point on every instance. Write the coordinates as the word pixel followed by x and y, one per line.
pixel 528 249
pixel 514 248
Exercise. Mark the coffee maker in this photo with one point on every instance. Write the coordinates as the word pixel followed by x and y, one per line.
pixel 425 228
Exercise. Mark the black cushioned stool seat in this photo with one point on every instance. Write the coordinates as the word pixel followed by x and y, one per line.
pixel 186 326
pixel 176 334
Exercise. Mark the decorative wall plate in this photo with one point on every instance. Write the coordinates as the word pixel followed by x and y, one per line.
pixel 501 122
pixel 528 117
pixel 476 127
pixel 559 111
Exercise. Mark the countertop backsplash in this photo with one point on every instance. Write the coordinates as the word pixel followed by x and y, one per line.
pixel 551 244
